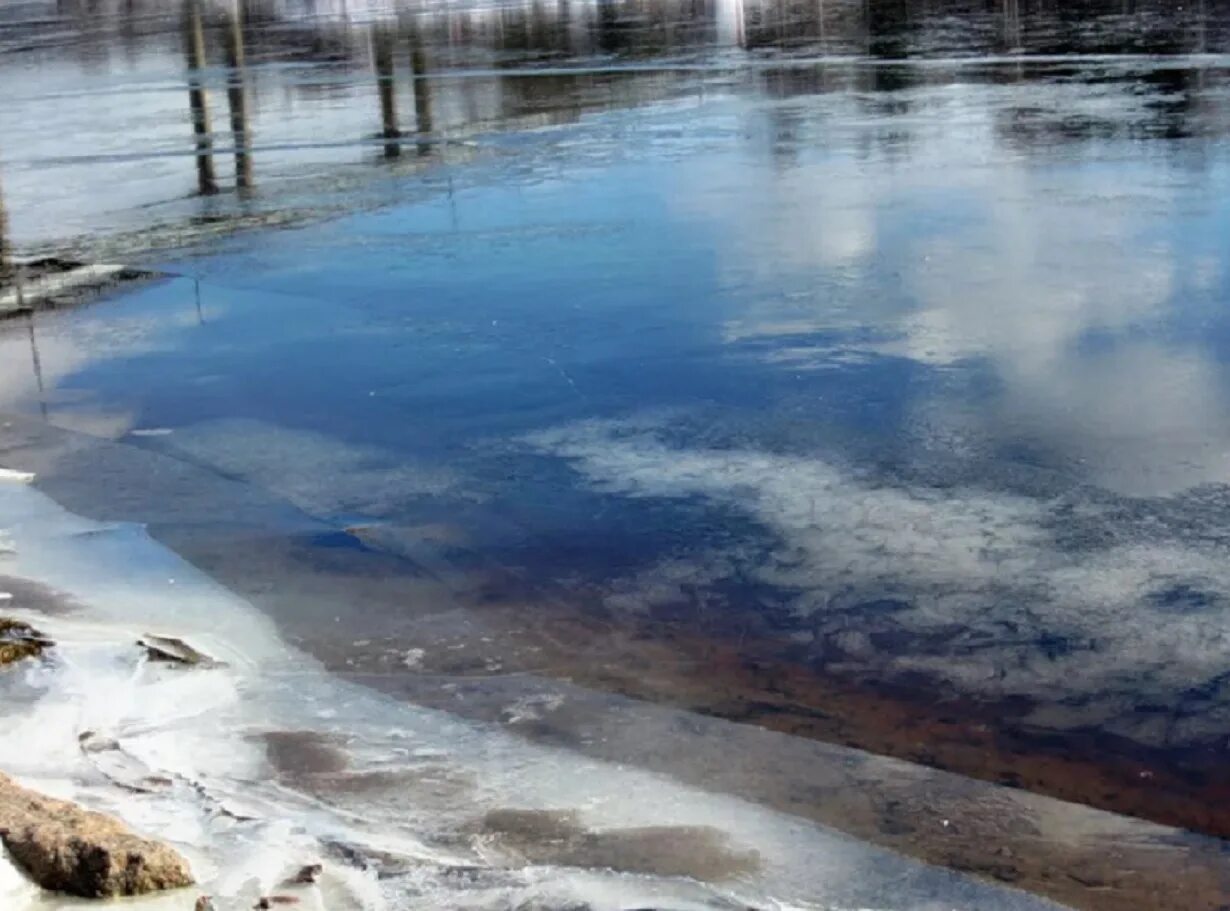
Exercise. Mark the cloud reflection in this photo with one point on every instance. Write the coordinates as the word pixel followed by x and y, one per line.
pixel 998 593
pixel 1064 273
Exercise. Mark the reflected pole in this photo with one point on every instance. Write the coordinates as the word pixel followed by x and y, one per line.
pixel 1012 25
pixel 382 54
pixel 198 102
pixel 422 92
pixel 237 98
pixel 37 363
pixel 6 248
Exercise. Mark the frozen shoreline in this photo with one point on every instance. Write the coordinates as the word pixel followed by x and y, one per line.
pixel 469 816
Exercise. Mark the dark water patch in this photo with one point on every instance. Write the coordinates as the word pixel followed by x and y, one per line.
pixel 334 540
pixel 296 754
pixel 423 787
pixel 31 596
pixel 1183 597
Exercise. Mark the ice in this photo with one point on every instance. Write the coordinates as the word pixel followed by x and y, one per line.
pixel 451 812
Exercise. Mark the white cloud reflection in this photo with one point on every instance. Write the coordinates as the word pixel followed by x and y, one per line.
pixel 1002 600
pixel 1056 269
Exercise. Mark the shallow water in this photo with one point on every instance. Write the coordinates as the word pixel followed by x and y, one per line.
pixel 855 372
pixel 263 763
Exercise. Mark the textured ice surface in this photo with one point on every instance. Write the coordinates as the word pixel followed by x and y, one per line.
pixel 190 765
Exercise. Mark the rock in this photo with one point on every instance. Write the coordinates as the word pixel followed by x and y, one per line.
pixel 307 875
pixel 65 848
pixel 175 651
pixel 204 903
pixel 385 864
pixel 20 640
pixel 121 769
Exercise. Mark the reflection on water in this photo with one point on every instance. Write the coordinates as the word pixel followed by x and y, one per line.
pixel 382 53
pixel 237 98
pixel 851 369
pixel 302 102
pixel 6 255
pixel 198 102
pixel 422 91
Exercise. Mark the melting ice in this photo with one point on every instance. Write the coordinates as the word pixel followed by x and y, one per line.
pixel 267 764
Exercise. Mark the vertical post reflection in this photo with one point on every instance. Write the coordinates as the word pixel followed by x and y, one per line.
pixel 198 102
pixel 236 97
pixel 563 19
pixel 382 54
pixel 1012 25
pixel 37 363
pixel 730 22
pixel 422 91
pixel 6 249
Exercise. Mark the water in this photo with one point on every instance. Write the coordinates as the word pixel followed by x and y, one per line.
pixel 852 372
pixel 456 807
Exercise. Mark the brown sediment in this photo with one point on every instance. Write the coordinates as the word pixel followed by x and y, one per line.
pixel 756 680
pixel 556 837
pixel 928 724
pixel 296 754
pixel 34 596
pixel 751 681
pixel 430 787
pixel 1007 835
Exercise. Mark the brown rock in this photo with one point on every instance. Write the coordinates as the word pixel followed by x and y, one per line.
pixel 20 640
pixel 65 848
pixel 307 875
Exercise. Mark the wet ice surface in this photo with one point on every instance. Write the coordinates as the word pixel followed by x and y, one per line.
pixel 264 764
pixel 880 345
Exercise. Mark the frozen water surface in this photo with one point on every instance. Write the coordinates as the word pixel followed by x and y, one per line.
pixel 586 427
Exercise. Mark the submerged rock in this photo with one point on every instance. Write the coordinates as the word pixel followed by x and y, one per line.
pixel 385 864
pixel 175 651
pixel 19 640
pixel 65 848
pixel 307 875
pixel 118 766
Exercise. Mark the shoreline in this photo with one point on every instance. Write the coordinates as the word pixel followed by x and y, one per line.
pixel 244 816
pixel 1079 856
pixel 1007 833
